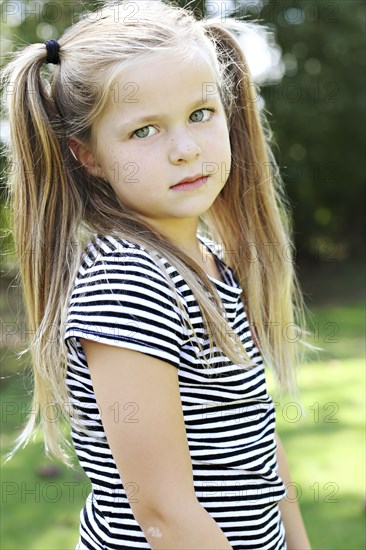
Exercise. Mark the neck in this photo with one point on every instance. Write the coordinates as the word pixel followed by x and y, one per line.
pixel 183 232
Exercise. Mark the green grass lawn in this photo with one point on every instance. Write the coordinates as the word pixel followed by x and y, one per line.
pixel 325 443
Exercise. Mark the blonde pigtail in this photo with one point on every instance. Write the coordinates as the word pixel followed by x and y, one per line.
pixel 47 211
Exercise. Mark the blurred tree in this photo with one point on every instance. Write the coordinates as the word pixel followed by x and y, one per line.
pixel 26 21
pixel 318 117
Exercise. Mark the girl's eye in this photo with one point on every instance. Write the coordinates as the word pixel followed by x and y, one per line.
pixel 201 115
pixel 198 115
pixel 142 133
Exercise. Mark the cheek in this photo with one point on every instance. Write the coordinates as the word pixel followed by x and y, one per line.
pixel 222 144
pixel 228 153
pixel 119 170
pixel 226 157
pixel 108 161
pixel 136 163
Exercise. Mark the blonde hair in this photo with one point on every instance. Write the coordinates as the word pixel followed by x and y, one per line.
pixel 57 205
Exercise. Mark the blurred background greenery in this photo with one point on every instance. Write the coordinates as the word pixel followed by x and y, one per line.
pixel 312 89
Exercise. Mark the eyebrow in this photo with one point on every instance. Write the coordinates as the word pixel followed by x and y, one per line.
pixel 136 122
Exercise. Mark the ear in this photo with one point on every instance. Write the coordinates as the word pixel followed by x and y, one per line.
pixel 83 154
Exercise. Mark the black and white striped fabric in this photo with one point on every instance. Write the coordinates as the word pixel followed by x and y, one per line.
pixel 121 298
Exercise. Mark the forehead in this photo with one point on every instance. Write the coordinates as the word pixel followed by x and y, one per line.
pixel 163 79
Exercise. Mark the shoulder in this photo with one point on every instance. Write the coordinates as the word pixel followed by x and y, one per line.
pixel 110 250
pixel 113 265
pixel 122 297
pixel 112 258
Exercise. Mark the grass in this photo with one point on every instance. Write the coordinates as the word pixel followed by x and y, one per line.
pixel 325 447
pixel 47 495
pixel 325 444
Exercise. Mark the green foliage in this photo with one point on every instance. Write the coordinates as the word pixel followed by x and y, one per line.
pixel 27 22
pixel 317 112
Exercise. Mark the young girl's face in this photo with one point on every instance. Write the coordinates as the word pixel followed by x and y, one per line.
pixel 165 123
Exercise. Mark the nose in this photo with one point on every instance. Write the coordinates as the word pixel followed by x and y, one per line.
pixel 183 147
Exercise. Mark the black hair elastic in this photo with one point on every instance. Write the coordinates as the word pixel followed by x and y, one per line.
pixel 53 47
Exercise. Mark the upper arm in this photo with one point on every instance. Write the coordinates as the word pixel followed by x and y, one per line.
pixel 147 437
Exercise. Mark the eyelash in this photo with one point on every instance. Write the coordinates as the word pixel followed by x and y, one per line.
pixel 211 109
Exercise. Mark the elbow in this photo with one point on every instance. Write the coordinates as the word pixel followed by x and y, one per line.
pixel 151 518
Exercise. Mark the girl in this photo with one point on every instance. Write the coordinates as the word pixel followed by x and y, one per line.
pixel 153 247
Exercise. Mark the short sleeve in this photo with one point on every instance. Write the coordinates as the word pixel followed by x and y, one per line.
pixel 124 300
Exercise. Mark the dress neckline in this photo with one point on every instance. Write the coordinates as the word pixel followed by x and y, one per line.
pixel 230 281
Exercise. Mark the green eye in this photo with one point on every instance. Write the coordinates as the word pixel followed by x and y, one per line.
pixel 198 116
pixel 142 132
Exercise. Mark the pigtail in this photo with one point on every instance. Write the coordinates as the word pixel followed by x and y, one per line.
pixel 251 216
pixel 46 210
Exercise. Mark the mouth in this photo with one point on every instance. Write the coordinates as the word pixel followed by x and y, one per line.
pixel 191 183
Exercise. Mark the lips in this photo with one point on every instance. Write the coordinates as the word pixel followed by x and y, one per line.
pixel 193 178
pixel 194 181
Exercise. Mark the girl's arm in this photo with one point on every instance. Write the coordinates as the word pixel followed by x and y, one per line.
pixel 140 405
pixel 296 537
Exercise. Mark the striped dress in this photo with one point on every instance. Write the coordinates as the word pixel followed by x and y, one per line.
pixel 122 298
